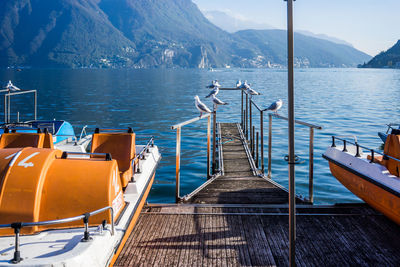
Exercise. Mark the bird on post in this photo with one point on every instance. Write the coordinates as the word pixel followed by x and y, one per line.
pixel 251 91
pixel 239 84
pixel 275 106
pixel 201 106
pixel 213 84
pixel 218 102
pixel 11 87
pixel 214 92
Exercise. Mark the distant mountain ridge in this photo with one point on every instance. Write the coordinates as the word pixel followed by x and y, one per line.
pixel 232 24
pixel 386 59
pixel 145 34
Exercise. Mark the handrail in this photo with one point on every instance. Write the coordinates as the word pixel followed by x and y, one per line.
pixel 179 125
pixel 178 128
pixel 141 155
pixel 300 122
pixel 373 151
pixel 83 130
pixel 17 226
pixel 255 104
pixel 107 156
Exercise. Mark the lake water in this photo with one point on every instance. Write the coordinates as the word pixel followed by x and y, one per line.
pixel 343 101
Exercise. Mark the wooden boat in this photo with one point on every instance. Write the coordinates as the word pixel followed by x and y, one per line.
pixel 374 179
pixel 70 209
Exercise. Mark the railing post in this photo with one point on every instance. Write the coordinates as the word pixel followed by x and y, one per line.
pixel 251 123
pixel 262 139
pixel 242 112
pixel 257 158
pixel 35 93
pixel 86 236
pixel 17 254
pixel 9 109
pixel 214 141
pixel 247 114
pixel 5 108
pixel 269 145
pixel 311 167
pixel 208 145
pixel 178 163
pixel 252 142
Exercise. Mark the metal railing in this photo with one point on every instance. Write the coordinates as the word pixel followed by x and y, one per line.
pixel 141 155
pixel 178 128
pixel 17 226
pixel 256 139
pixel 7 103
pixel 358 147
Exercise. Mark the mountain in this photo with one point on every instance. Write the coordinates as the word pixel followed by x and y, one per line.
pixel 231 23
pixel 270 45
pixel 386 59
pixel 325 37
pixel 145 34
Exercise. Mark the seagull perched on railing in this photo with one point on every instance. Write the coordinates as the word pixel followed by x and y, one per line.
pixel 275 106
pixel 217 101
pixel 214 92
pixel 213 84
pixel 251 92
pixel 201 106
pixel 239 84
pixel 11 87
pixel 245 85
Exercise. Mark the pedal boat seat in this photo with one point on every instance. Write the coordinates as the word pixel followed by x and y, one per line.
pixel 392 148
pixel 121 146
pixel 16 140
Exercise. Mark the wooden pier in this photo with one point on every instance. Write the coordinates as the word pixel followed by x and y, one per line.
pixel 241 219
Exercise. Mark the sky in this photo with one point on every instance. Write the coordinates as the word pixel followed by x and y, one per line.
pixel 371 26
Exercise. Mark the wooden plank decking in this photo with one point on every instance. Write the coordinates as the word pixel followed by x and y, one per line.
pixel 190 235
pixel 238 185
pixel 240 219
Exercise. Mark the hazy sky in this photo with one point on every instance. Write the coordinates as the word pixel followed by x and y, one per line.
pixel 370 25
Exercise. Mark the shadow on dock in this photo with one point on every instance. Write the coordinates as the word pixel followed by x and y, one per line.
pixel 241 219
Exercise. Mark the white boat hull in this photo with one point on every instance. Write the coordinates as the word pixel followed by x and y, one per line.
pixel 64 247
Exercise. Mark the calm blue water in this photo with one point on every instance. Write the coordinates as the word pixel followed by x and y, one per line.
pixel 343 101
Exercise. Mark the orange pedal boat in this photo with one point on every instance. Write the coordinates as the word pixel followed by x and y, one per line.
pixel 70 209
pixel 373 176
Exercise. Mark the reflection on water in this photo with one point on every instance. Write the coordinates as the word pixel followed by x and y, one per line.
pixel 343 101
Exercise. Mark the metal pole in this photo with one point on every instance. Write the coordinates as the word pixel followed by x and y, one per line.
pixel 178 163
pixel 292 191
pixel 251 126
pixel 9 109
pixel 252 142
pixel 214 140
pixel 247 114
pixel 241 110
pixel 311 168
pixel 5 108
pixel 35 105
pixel 257 151
pixel 269 146
pixel 262 139
pixel 208 145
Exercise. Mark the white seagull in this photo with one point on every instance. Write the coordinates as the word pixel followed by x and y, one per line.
pixel 201 106
pixel 214 91
pixel 11 87
pixel 251 92
pixel 217 101
pixel 245 85
pixel 275 106
pixel 213 84
pixel 239 84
